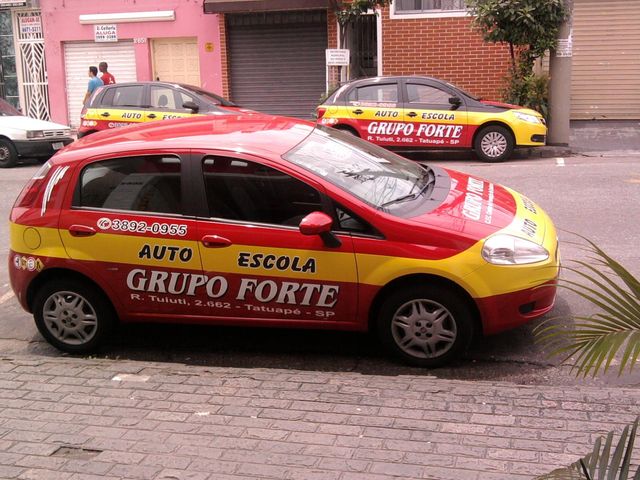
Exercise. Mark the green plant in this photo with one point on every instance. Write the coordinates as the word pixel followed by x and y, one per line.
pixel 596 340
pixel 530 28
pixel 600 463
pixel 348 11
pixel 530 91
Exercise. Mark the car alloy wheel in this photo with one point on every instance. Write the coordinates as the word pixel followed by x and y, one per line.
pixel 70 318
pixel 73 316
pixel 425 325
pixel 494 144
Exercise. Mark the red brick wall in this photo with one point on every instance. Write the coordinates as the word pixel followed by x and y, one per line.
pixel 446 48
pixel 224 57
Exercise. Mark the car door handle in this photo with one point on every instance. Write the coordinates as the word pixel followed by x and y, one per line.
pixel 152 115
pixel 105 114
pixel 412 114
pixel 358 112
pixel 215 241
pixel 81 231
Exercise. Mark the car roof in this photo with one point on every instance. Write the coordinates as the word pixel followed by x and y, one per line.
pixel 259 134
pixel 393 78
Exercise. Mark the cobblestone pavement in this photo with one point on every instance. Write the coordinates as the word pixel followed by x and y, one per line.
pixel 83 419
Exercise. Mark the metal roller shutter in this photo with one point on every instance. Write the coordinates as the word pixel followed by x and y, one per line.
pixel 277 61
pixel 606 60
pixel 78 57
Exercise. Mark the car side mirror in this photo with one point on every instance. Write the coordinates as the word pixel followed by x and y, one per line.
pixel 455 101
pixel 319 223
pixel 193 106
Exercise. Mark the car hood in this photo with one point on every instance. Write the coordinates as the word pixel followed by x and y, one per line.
pixel 20 122
pixel 476 209
pixel 501 104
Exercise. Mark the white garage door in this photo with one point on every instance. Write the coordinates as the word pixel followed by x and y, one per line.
pixel 78 57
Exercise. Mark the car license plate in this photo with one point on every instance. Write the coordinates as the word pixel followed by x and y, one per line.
pixel 57 145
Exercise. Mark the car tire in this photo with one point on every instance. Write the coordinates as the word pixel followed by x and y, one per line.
pixel 73 316
pixel 8 153
pixel 425 326
pixel 494 144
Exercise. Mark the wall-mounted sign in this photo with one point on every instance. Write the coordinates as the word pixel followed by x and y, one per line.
pixel 12 3
pixel 208 47
pixel 337 57
pixel 564 47
pixel 106 33
pixel 30 25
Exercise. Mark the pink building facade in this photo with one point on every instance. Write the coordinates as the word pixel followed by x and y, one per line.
pixel 140 39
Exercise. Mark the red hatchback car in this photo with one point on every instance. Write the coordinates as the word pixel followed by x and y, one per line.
pixel 267 221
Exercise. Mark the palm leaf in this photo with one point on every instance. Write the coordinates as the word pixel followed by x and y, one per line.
pixel 599 463
pixel 593 342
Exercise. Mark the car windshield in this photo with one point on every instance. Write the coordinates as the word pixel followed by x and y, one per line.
pixel 6 110
pixel 380 178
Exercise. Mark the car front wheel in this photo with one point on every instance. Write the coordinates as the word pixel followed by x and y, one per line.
pixel 426 326
pixel 71 316
pixel 8 153
pixel 494 144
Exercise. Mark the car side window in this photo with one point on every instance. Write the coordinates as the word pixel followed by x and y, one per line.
pixel 163 97
pixel 140 184
pixel 350 222
pixel 129 96
pixel 247 191
pixel 107 98
pixel 387 93
pixel 427 94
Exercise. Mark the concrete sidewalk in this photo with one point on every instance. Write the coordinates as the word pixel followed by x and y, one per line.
pixel 83 419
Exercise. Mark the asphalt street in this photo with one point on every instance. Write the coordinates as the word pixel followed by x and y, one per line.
pixel 591 196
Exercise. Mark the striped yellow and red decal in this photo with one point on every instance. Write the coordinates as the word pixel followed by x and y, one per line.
pixel 95 117
pixel 426 128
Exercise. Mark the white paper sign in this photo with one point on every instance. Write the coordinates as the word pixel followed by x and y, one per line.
pixel 337 57
pixel 30 25
pixel 106 33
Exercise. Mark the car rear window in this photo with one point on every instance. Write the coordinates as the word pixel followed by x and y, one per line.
pixel 142 184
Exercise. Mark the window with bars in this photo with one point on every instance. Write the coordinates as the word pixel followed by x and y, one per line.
pixel 409 7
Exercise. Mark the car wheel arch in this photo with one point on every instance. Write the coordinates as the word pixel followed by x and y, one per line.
pixel 493 123
pixel 348 128
pixel 408 280
pixel 59 273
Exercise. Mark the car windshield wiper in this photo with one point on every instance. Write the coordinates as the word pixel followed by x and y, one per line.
pixel 429 180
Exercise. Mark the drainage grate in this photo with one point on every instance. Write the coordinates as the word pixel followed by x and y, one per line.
pixel 76 453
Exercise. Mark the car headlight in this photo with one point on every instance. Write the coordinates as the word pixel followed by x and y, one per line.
pixel 526 117
pixel 35 134
pixel 510 250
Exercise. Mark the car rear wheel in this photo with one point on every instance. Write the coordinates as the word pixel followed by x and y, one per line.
pixel 426 326
pixel 71 316
pixel 8 153
pixel 494 144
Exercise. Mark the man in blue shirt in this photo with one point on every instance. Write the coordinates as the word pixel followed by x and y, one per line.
pixel 94 82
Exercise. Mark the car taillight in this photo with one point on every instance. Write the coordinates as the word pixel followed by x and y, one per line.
pixel 32 190
pixel 320 111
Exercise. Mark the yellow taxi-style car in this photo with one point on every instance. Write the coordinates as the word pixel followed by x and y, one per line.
pixel 122 104
pixel 416 113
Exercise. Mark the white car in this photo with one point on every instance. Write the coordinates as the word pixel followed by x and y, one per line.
pixel 22 136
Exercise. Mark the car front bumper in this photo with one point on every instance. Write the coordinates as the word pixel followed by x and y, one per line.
pixel 41 148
